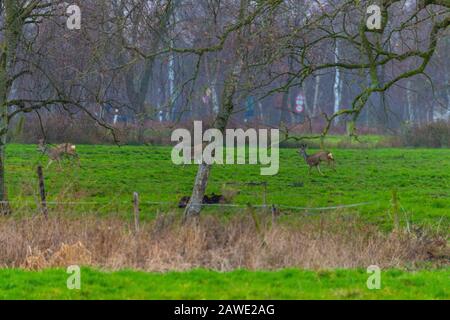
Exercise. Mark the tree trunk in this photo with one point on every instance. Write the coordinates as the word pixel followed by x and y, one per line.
pixel 175 115
pixel 12 32
pixel 448 81
pixel 215 98
pixel 4 123
pixel 384 123
pixel 410 102
pixel 201 180
pixel 3 130
pixel 337 82
pixel 448 100
pixel 231 83
pixel 4 205
pixel 171 84
pixel 212 75
pixel 316 95
pixel 194 206
pixel 137 94
pixel 284 115
pixel 260 112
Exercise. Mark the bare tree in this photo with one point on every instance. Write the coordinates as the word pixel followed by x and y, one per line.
pixel 15 15
pixel 404 45
pixel 367 51
pixel 226 108
pixel 32 76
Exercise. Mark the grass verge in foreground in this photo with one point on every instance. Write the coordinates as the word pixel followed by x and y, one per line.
pixel 240 284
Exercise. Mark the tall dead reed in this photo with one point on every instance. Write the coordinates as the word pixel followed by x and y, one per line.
pixel 220 244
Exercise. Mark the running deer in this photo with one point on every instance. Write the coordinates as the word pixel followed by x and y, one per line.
pixel 315 159
pixel 57 152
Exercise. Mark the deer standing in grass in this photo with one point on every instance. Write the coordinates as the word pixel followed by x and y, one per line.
pixel 57 152
pixel 315 159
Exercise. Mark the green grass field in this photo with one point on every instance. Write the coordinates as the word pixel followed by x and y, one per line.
pixel 201 284
pixel 110 174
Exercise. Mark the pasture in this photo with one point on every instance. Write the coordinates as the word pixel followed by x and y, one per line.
pixel 109 175
pixel 203 284
pixel 86 201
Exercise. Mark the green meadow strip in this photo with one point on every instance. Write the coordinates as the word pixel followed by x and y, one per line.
pixel 240 284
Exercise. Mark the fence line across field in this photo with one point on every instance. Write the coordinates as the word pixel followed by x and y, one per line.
pixel 42 203
pixel 225 205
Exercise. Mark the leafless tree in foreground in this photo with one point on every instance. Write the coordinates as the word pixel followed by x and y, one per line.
pixel 33 73
pixel 128 51
pixel 369 50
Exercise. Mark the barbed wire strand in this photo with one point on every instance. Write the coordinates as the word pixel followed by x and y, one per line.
pixel 203 204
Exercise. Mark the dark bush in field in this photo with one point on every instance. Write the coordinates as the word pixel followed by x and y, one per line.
pixel 58 129
pixel 84 130
pixel 432 135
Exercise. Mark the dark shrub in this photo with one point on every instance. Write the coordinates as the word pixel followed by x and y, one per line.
pixel 432 135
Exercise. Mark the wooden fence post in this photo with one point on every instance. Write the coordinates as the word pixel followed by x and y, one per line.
pixel 136 211
pixel 42 192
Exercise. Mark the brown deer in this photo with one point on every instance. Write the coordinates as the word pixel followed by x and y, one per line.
pixel 57 152
pixel 315 159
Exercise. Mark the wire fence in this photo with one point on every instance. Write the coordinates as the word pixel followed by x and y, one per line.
pixel 223 205
pixel 131 209
pixel 23 170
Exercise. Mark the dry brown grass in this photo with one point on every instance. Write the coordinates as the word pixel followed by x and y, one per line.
pixel 165 244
